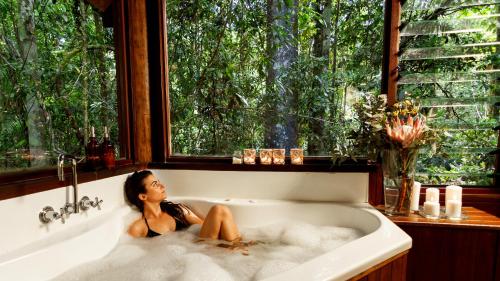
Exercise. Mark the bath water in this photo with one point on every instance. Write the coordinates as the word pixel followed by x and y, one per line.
pixel 176 255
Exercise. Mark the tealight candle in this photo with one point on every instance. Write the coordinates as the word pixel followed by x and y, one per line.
pixel 266 156
pixel 415 196
pixel 432 195
pixel 249 156
pixel 431 209
pixel 297 156
pixel 279 156
pixel 453 209
pixel 453 192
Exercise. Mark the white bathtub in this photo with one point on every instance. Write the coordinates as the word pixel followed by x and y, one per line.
pixel 92 237
pixel 47 259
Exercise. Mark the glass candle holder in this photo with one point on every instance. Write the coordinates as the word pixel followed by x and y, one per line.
pixel 279 156
pixel 237 157
pixel 297 156
pixel 266 156
pixel 249 156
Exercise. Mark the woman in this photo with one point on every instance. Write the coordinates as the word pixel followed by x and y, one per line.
pixel 144 190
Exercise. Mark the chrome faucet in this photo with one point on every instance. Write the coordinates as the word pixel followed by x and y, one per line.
pixel 48 214
pixel 74 207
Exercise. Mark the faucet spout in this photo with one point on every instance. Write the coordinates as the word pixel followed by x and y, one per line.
pixel 60 173
pixel 75 186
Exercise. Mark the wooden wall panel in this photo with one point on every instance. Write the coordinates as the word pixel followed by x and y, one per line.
pixel 441 253
pixel 393 269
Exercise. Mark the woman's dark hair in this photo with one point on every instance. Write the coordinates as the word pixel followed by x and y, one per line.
pixel 134 185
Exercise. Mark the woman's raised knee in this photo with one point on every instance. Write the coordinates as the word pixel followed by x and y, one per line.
pixel 220 210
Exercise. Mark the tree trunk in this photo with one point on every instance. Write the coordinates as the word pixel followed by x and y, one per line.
pixel 79 11
pixel 102 69
pixel 36 117
pixel 282 34
pixel 333 107
pixel 319 99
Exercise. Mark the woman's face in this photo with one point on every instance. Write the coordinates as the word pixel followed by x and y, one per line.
pixel 155 190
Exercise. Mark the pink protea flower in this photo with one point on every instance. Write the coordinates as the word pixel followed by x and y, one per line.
pixel 407 132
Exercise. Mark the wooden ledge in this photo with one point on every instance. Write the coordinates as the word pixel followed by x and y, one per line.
pixel 476 219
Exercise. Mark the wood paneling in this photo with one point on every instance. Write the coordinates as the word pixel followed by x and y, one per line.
pixel 47 179
pixel 453 250
pixel 158 74
pixel 390 50
pixel 139 80
pixel 451 254
pixel 393 269
pixel 122 76
pixel 224 164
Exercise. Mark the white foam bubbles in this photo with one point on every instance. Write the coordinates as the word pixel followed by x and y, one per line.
pixel 274 267
pixel 176 256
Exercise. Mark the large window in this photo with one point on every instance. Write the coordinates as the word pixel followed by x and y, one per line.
pixel 57 79
pixel 270 73
pixel 449 59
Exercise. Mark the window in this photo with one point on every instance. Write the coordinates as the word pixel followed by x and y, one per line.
pixel 57 78
pixel 248 74
pixel 449 60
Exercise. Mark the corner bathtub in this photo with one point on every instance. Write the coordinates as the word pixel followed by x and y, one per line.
pixel 95 238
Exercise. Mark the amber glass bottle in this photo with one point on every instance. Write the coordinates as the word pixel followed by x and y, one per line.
pixel 92 154
pixel 107 151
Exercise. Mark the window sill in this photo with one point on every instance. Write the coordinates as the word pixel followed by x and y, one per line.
pixel 311 164
pixel 25 183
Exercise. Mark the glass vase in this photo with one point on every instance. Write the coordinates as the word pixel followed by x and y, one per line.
pixel 398 167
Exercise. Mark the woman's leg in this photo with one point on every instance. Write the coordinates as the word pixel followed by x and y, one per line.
pixel 219 224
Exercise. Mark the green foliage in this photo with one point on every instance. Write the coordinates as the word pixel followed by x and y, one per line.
pixel 54 75
pixel 221 90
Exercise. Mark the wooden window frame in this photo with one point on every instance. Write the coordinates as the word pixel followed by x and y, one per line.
pixel 483 197
pixel 15 184
pixel 144 76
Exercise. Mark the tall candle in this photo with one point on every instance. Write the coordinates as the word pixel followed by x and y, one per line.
pixel 453 192
pixel 432 194
pixel 415 196
pixel 453 208
pixel 431 209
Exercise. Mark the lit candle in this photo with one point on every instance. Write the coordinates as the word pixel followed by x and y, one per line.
pixel 453 208
pixel 431 209
pixel 297 156
pixel 249 156
pixel 453 192
pixel 432 194
pixel 266 156
pixel 279 156
pixel 415 196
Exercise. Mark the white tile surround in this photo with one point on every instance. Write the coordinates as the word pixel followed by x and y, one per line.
pixel 19 216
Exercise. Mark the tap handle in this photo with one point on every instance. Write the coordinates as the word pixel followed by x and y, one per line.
pixel 85 203
pixel 97 203
pixel 48 215
pixel 68 209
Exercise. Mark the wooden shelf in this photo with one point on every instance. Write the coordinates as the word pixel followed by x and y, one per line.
pixel 476 219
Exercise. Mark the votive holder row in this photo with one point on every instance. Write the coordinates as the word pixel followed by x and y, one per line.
pixel 268 156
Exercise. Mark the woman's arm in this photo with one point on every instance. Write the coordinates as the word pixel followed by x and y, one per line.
pixel 190 216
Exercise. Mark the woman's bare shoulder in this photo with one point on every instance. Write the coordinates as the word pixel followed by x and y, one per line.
pixel 138 228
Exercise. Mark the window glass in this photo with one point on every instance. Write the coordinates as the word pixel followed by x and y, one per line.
pixel 57 79
pixel 449 60
pixel 270 74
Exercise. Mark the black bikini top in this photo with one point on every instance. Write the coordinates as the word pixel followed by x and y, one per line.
pixel 179 225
